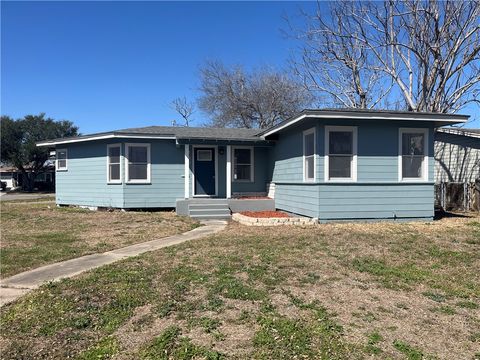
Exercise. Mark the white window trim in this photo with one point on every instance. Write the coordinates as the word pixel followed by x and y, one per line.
pixel 57 168
pixel 252 164
pixel 424 177
pixel 305 133
pixel 109 181
pixel 149 165
pixel 353 165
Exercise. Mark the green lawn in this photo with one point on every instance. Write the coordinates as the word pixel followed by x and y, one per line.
pixel 38 234
pixel 344 291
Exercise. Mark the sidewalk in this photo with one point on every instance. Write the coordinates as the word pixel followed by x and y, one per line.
pixel 13 287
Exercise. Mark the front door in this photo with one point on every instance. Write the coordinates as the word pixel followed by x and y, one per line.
pixel 204 171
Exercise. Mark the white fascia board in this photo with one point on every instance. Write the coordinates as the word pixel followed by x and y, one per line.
pixel 363 117
pixel 103 137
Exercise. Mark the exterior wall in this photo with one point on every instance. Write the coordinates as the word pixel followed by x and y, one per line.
pixel 377 193
pixel 261 172
pixel 85 181
pixel 167 178
pixel 457 158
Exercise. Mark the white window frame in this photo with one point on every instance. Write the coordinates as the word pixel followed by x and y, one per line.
pixel 58 168
pixel 109 146
pixel 424 176
pixel 149 164
pixel 252 164
pixel 353 165
pixel 305 133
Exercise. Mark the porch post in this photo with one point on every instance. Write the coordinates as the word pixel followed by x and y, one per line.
pixel 229 171
pixel 187 171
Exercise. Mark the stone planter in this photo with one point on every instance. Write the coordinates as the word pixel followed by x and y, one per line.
pixel 252 221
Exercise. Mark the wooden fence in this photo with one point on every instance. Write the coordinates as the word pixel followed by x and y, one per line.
pixel 457 196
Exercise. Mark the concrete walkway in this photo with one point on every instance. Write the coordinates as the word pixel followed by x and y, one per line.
pixel 13 287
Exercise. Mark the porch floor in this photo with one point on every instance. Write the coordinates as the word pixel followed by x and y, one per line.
pixel 220 208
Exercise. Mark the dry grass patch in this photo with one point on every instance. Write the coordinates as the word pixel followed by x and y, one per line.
pixel 38 234
pixel 337 291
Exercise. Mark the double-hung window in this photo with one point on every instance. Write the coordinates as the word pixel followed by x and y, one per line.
pixel 309 155
pixel 61 163
pixel 137 159
pixel 243 164
pixel 340 153
pixel 113 163
pixel 413 155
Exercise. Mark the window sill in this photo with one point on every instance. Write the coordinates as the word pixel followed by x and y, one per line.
pixel 341 180
pixel 413 180
pixel 61 170
pixel 114 183
pixel 138 183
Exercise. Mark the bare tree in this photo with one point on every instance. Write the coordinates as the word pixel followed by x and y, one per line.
pixel 429 50
pixel 184 108
pixel 332 62
pixel 258 99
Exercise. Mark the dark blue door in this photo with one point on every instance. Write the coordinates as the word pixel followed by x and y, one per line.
pixel 204 171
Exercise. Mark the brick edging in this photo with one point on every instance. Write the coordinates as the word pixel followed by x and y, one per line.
pixel 252 221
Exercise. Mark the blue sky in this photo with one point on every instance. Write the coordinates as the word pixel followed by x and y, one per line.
pixel 111 65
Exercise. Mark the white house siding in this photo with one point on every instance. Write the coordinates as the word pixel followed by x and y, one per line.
pixel 457 157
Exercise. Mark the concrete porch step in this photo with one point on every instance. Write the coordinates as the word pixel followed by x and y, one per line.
pixel 219 212
pixel 208 207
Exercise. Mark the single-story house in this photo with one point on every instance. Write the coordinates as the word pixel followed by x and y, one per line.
pixel 457 155
pixel 330 164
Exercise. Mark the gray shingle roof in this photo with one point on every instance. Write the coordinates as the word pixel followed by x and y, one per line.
pixel 181 132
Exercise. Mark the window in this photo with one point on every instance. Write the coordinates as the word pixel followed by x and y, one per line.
pixel 413 154
pixel 113 163
pixel 204 155
pixel 309 155
pixel 61 162
pixel 340 153
pixel 243 164
pixel 138 163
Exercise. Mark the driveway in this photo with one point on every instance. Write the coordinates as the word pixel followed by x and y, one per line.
pixel 5 196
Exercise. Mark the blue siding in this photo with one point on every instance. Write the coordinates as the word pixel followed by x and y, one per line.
pixel 377 194
pixel 85 181
pixel 167 181
pixel 375 201
pixel 298 198
pixel 261 174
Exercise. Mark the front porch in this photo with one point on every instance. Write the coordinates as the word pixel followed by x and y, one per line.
pixel 221 208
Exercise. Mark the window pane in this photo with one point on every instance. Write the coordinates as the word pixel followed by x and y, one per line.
pixel 204 155
pixel 62 164
pixel 413 144
pixel 137 154
pixel 339 166
pixel 114 154
pixel 242 156
pixel 61 155
pixel 309 144
pixel 242 172
pixel 310 167
pixel 412 166
pixel 115 172
pixel 341 142
pixel 137 171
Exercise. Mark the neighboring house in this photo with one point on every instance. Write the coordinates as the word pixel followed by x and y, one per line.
pixel 457 155
pixel 13 178
pixel 327 164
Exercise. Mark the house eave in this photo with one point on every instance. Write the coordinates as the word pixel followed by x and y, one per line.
pixel 438 119
pixel 102 137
